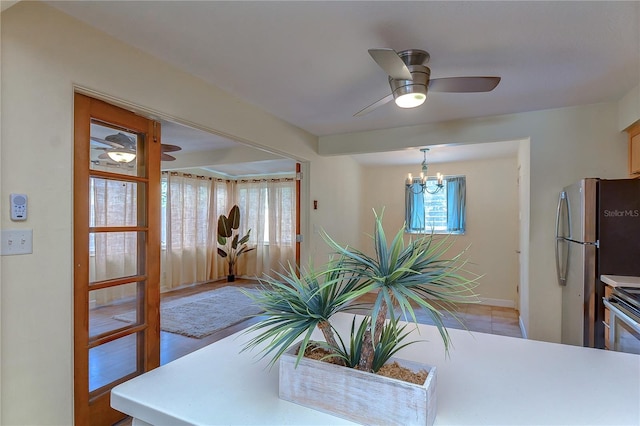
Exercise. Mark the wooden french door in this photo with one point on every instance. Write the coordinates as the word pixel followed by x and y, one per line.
pixel 116 253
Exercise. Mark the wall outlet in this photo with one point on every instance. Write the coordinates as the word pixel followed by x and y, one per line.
pixel 16 241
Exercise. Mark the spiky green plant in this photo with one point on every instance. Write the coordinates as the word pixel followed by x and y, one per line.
pixel 295 306
pixel 405 276
pixel 390 342
pixel 402 274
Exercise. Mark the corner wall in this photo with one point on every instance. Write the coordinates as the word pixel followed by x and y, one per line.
pixel 629 108
pixel 45 54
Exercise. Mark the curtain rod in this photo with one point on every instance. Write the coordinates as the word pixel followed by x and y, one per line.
pixel 189 175
pixel 445 176
pixel 266 180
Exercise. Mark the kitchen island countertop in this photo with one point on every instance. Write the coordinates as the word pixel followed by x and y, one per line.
pixel 486 380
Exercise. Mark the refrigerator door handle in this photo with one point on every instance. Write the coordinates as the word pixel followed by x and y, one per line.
pixel 562 201
pixel 561 264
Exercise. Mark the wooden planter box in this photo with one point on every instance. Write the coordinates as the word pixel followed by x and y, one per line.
pixel 358 396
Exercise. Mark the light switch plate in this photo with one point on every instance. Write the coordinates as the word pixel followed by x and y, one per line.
pixel 16 241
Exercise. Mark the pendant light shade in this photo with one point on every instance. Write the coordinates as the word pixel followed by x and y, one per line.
pixel 122 155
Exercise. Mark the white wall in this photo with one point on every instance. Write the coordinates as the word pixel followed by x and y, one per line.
pixel 565 145
pixel 336 186
pixel 629 108
pixel 492 218
pixel 524 216
pixel 44 54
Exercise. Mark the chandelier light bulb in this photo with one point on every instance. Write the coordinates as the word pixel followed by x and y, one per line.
pixel 423 182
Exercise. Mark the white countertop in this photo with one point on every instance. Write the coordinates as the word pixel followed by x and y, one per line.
pixel 620 281
pixel 486 380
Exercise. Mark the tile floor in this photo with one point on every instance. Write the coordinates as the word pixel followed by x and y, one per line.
pixel 477 317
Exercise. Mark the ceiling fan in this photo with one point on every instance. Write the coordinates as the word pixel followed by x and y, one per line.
pixel 121 148
pixel 409 79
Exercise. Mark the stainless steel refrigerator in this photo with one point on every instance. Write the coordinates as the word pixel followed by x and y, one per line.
pixel 597 233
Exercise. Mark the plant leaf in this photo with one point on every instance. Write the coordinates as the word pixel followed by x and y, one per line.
pixel 224 227
pixel 244 239
pixel 234 217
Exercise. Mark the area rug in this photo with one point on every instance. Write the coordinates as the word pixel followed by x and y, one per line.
pixel 202 314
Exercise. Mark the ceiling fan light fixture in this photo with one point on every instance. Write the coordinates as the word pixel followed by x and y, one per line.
pixel 411 93
pixel 122 156
pixel 410 100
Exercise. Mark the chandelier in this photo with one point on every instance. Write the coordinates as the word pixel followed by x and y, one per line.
pixel 419 185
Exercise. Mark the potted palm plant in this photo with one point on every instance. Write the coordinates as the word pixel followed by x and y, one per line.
pixel 231 244
pixel 405 276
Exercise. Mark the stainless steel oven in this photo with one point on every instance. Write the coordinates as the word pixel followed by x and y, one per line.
pixel 624 322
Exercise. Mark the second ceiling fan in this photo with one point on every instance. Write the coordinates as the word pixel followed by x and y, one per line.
pixel 121 148
pixel 410 80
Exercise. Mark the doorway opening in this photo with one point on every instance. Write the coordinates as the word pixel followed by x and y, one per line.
pixel 214 172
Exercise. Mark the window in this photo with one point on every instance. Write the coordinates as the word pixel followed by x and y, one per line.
pixel 268 209
pixel 442 213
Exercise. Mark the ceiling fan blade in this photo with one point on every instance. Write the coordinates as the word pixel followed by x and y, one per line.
pixel 167 157
pixel 122 139
pixel 169 148
pixel 391 63
pixel 463 84
pixel 374 106
pixel 110 144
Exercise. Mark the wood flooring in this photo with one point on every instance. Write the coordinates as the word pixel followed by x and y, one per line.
pixel 475 318
pixel 172 345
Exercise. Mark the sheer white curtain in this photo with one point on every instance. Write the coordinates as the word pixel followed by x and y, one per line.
pixel 190 218
pixel 191 206
pixel 113 254
pixel 268 208
pixel 282 224
pixel 223 190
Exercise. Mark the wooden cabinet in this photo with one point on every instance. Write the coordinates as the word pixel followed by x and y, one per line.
pixel 634 150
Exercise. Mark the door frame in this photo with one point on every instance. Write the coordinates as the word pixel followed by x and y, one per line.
pixel 96 409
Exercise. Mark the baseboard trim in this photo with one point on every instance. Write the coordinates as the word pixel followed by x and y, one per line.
pixel 523 330
pixel 503 303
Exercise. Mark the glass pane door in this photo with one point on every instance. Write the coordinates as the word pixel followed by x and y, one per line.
pixel 117 253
